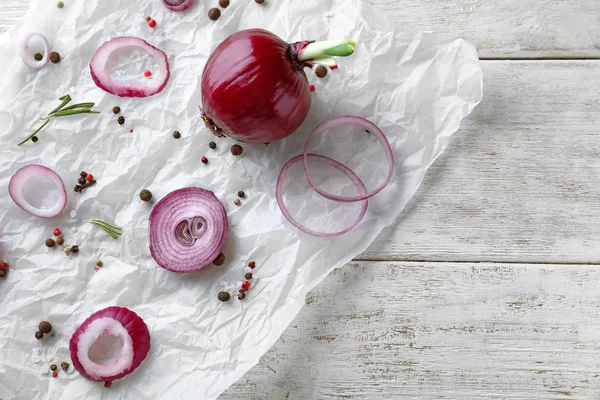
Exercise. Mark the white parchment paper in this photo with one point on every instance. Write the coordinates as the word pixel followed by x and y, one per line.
pixel 416 87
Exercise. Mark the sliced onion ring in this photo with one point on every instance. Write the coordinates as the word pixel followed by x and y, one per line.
pixel 110 344
pixel 106 83
pixel 27 57
pixel 187 230
pixel 20 178
pixel 326 160
pixel 365 124
pixel 178 5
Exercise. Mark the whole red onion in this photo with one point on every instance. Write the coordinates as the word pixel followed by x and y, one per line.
pixel 254 88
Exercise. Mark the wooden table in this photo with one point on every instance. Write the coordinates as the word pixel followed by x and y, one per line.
pixel 488 285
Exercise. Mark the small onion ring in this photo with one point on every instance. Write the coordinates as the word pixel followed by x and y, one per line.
pixel 106 83
pixel 28 58
pixel 178 5
pixel 326 160
pixel 20 178
pixel 187 230
pixel 365 124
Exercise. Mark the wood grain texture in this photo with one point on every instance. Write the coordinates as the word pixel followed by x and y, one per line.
pixel 382 330
pixel 499 28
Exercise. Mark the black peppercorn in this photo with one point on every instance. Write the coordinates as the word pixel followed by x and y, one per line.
pixel 121 120
pixel 53 367
pixel 241 194
pixel 60 241
pixel 64 366
pixel 248 275
pixel 39 335
pixel 81 181
pixel 54 57
pixel 224 296
pixel 75 249
pixel 220 260
pixel 50 243
pixel 45 327
pixel 321 71
pixel 34 139
pixel 214 14
pixel 38 57
pixel 212 145
pixel 242 296
pixel 146 195
pixel 116 110
pixel 237 150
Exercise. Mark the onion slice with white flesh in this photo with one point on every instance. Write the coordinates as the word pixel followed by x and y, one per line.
pixel 27 57
pixel 187 230
pixel 178 5
pixel 105 82
pixel 341 167
pixel 370 128
pixel 19 180
pixel 110 344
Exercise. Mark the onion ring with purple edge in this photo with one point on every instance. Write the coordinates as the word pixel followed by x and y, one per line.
pixel 326 160
pixel 178 5
pixel 106 83
pixel 367 125
pixel 187 230
pixel 20 178
pixel 28 58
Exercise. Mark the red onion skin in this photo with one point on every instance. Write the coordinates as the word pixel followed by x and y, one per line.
pixel 254 89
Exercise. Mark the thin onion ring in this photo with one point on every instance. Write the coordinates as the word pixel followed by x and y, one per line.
pixel 27 58
pixel 178 5
pixel 365 124
pixel 326 160
pixel 20 178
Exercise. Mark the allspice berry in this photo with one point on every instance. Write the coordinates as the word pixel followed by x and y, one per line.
pixel 176 134
pixel 224 296
pixel 39 335
pixel 116 110
pixel 45 327
pixel 50 243
pixel 54 57
pixel 237 150
pixel 146 195
pixel 224 3
pixel 214 13
pixel 260 1
pixel 321 71
pixel 38 57
pixel 220 260
pixel 60 241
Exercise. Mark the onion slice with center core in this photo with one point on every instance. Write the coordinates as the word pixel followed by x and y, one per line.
pixel 27 57
pixel 187 230
pixel 369 127
pixel 22 176
pixel 178 5
pixel 106 83
pixel 110 344
pixel 326 160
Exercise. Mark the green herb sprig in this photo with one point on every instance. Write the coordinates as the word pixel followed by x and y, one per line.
pixel 62 111
pixel 113 230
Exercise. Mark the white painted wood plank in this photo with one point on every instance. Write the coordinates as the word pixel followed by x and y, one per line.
pixel 521 179
pixel 381 330
pixel 499 28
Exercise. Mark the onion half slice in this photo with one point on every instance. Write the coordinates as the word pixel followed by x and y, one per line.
pixel 178 5
pixel 27 57
pixel 187 230
pixel 20 178
pixel 110 344
pixel 106 83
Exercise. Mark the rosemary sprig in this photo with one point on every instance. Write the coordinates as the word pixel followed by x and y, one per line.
pixel 113 230
pixel 62 111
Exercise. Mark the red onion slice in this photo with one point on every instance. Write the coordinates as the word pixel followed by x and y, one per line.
pixel 367 125
pixel 27 57
pixel 22 176
pixel 110 344
pixel 106 83
pixel 178 5
pixel 326 160
pixel 188 229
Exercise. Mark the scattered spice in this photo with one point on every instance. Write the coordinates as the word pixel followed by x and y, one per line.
pixel 176 134
pixel 237 150
pixel 65 366
pixel 259 1
pixel 54 57
pixel 224 296
pixel 252 264
pixel 39 335
pixel 248 275
pixel 333 67
pixel 60 4
pixel 212 145
pixel 237 202
pixel 55 374
pixel 38 57
pixel 116 109
pixel 220 260
pixel 242 296
pixel 96 269
pixel 50 243
pixel 321 71
pixel 312 88
pixel 57 232
pixel 74 249
pixel 214 13
pixel 204 160
pixel 152 23
pixel 53 367
pixel 89 177
pixel 146 195
pixel 107 384
pixel 45 327
pixel 81 181
pixel 121 120
pixel 34 139
pixel 60 241
pixel 148 18
pixel 246 285
pixel 147 74
pixel 224 3
pixel 241 194
pixel 3 266
pixel 3 274
pixel 98 263
pixel 131 131
pixel 83 174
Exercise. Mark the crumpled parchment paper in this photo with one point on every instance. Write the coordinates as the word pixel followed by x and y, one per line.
pixel 416 87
